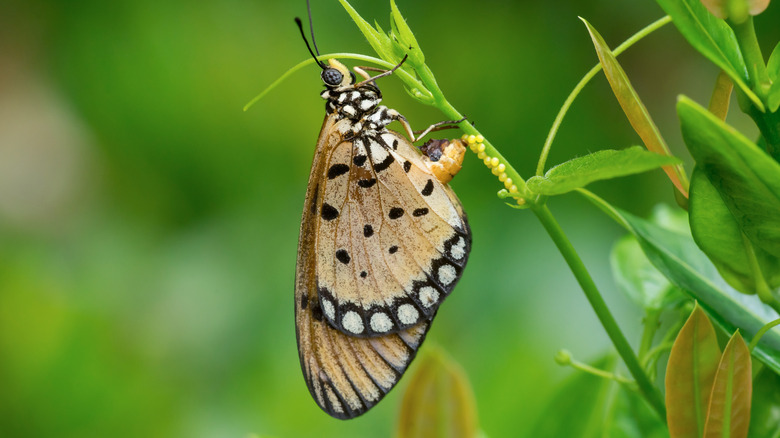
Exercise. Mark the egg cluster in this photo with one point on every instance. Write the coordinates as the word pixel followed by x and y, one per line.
pixel 477 145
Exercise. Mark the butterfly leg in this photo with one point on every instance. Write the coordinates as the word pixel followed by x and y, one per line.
pixel 448 124
pixel 384 73
pixel 362 71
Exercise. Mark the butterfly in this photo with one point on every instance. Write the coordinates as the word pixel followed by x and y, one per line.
pixel 383 241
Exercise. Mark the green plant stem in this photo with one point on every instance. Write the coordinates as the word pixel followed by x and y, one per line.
pixel 440 102
pixel 754 60
pixel 584 81
pixel 654 353
pixel 761 333
pixel 650 392
pixel 406 77
pixel 600 373
pixel 768 123
pixel 650 360
pixel 648 333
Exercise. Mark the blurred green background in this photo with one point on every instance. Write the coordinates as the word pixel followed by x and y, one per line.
pixel 148 226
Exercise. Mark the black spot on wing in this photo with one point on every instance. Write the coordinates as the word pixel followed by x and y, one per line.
pixel 314 199
pixel 407 166
pixel 366 183
pixel 368 230
pixel 396 212
pixel 337 170
pixel 384 164
pixel 316 311
pixel 420 212
pixel 428 189
pixel 393 249
pixel 359 160
pixel 343 256
pixel 329 212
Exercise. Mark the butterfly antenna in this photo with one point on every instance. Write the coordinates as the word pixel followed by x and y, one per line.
pixel 300 27
pixel 311 28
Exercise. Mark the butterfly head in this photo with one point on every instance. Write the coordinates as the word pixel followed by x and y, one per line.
pixel 336 75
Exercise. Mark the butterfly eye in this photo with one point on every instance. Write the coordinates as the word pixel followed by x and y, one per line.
pixel 332 77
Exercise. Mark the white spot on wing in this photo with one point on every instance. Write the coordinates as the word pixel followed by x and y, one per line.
pixel 447 274
pixel 388 138
pixel 361 148
pixel 454 219
pixel 458 250
pixel 407 314
pixel 378 153
pixel 327 307
pixel 380 322
pixel 366 104
pixel 428 296
pixel 352 322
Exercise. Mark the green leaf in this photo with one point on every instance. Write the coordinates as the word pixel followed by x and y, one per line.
pixel 405 36
pixel 676 255
pixel 690 372
pixel 584 413
pixel 636 277
pixel 773 68
pixel 773 100
pixel 597 166
pixel 747 179
pixel 711 37
pixel 773 65
pixel 634 108
pixel 721 96
pixel 765 414
pixel 729 411
pixel 438 401
pixel 379 41
pixel 390 49
pixel 743 266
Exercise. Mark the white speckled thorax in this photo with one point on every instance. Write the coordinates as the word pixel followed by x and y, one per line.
pixel 361 106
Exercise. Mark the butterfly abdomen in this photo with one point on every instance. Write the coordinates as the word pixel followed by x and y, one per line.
pixel 444 157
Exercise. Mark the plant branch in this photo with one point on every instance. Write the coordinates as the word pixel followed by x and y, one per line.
pixel 650 392
pixel 754 60
pixel 584 81
pixel 651 322
pixel 440 102
pixel 761 333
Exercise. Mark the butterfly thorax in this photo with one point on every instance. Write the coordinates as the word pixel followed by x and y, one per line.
pixel 351 102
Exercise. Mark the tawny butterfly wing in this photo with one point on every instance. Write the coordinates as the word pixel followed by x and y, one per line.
pixel 392 240
pixel 345 375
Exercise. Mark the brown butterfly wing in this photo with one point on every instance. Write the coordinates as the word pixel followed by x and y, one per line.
pixel 346 375
pixel 392 240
